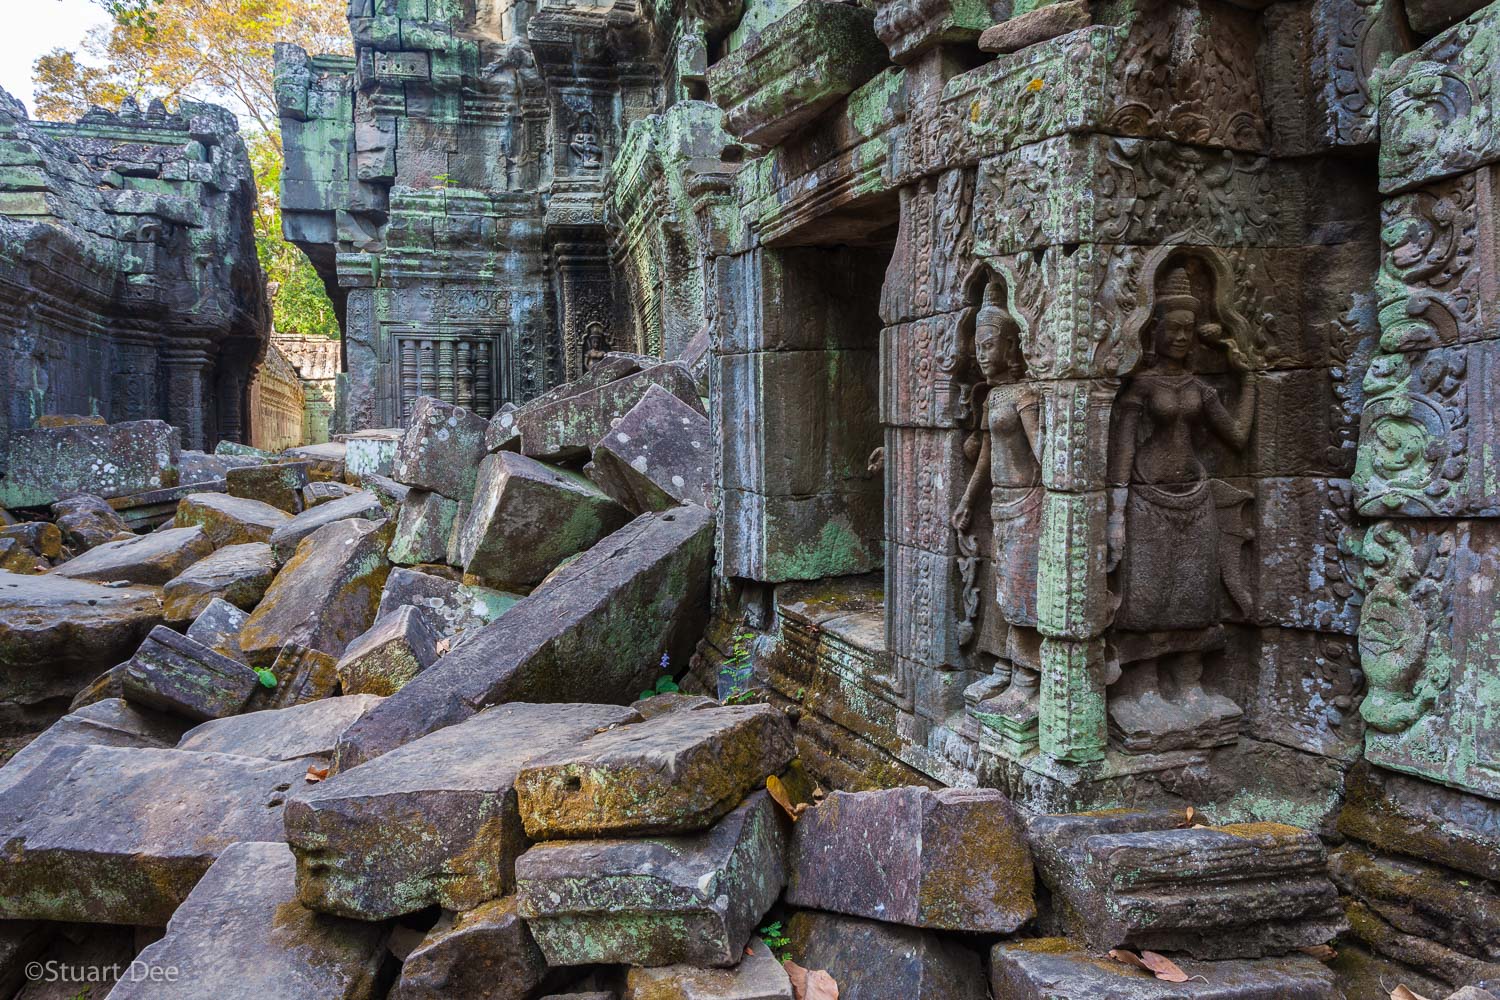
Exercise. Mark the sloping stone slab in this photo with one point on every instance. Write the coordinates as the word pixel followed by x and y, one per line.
pixel 230 520
pixel 122 835
pixel 279 485
pixel 449 606
pixel 441 448
pixel 601 626
pixel 759 976
pixel 303 675
pixel 424 528
pixel 395 649
pixel 657 456
pixel 218 627
pixel 433 822
pixel 112 722
pixel 876 961
pixel 47 464
pixel 504 434
pixel 1406 815
pixel 241 935
pixel 677 773
pixel 57 635
pixel 568 428
pixel 527 517
pixel 150 559
pixel 952 859
pixel 87 521
pixel 173 673
pixel 238 574
pixel 693 900
pixel 325 596
pixel 285 539
pixel 481 954
pixel 307 730
pixel 1035 26
pixel 1058 969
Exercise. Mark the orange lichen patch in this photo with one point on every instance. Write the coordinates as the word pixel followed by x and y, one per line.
pixel 1260 830
pixel 1047 946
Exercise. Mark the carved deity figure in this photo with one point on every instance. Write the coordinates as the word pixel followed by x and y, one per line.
pixel 587 155
pixel 1009 465
pixel 1175 534
pixel 595 344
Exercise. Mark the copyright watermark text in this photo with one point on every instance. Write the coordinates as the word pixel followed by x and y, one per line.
pixel 53 971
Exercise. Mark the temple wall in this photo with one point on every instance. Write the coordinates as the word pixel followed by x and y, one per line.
pixel 277 407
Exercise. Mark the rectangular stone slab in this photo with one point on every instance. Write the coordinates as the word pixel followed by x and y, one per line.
pixel 571 426
pixel 241 935
pixel 658 455
pixel 230 520
pixel 279 485
pixel 238 574
pixel 600 626
pixel 441 448
pixel 676 773
pixel 481 954
pixel 692 900
pixel 285 539
pixel 110 722
pixel 1058 969
pixel 47 464
pixel 952 859
pixel 759 976
pixel 396 648
pixel 123 834
pixel 307 730
pixel 173 673
pixel 873 961
pixel 150 559
pixel 432 822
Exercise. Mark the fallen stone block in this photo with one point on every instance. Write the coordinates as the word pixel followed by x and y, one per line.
pixel 371 452
pixel 876 961
pixel 657 456
pixel 87 521
pixel 200 467
pixel 303 675
pixel 424 528
pixel 121 835
pixel 151 559
pixel 568 428
pixel 307 730
pixel 953 859
pixel 1119 880
pixel 441 449
pixel 1059 969
pixel 449 606
pixel 677 773
pixel 1039 25
pixel 692 900
pixel 1406 815
pixel 504 435
pixel 319 492
pixel 17 558
pixel 280 485
pixel 389 493
pixel 397 647
pixel 238 574
pixel 57 635
pixel 527 517
pixel 325 596
pixel 172 673
pixel 111 722
pixel 325 461
pixel 149 511
pixel 434 822
pixel 41 538
pixel 285 539
pixel 218 627
pixel 601 626
pixel 241 935
pixel 759 976
pixel 46 464
pixel 230 520
pixel 481 954
pixel 662 704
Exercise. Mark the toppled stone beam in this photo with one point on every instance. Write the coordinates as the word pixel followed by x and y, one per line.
pixel 46 464
pixel 230 520
pixel 398 647
pixel 481 954
pixel 238 574
pixel 285 539
pixel 600 626
pixel 307 730
pixel 151 559
pixel 657 456
pixel 173 673
pixel 569 427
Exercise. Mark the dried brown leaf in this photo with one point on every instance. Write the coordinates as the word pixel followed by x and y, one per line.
pixel 1191 812
pixel 1403 993
pixel 1128 958
pixel 1164 968
pixel 1322 952
pixel 443 645
pixel 783 799
pixel 811 984
pixel 316 774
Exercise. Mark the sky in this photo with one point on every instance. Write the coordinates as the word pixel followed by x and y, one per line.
pixel 33 27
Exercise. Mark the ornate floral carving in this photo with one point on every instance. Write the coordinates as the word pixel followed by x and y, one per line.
pixel 1429 274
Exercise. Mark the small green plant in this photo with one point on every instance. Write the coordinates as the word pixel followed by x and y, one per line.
pixel 267 678
pixel 444 181
pixel 737 668
pixel 775 938
pixel 664 684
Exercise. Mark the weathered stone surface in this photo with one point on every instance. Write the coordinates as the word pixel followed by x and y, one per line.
pixel 433 822
pixel 870 960
pixel 451 607
pixel 759 976
pixel 109 722
pixel 173 673
pixel 1057 969
pixel 371 452
pixel 1035 26
pixel 1405 815
pixel 954 859
pixel 238 574
pixel 325 461
pixel 86 521
pixel 303 675
pixel 662 704
pixel 280 484
pixel 319 492
pixel 657 456
pixel 123 834
pixel 230 520
pixel 150 559
pixel 569 427
pixel 601 626
pixel 424 528
pixel 41 538
pixel 677 773
pixel 692 900
pixel 397 647
pixel 57 635
pixel 527 517
pixel 482 954
pixel 285 539
pixel 307 730
pixel 241 935
pixel 218 627
pixel 325 596
pixel 47 464
pixel 441 449
pixel 1125 880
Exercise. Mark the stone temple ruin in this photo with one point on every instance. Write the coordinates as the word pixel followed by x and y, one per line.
pixel 962 500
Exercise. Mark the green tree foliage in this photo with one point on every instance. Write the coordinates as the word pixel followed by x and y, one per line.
pixel 209 50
